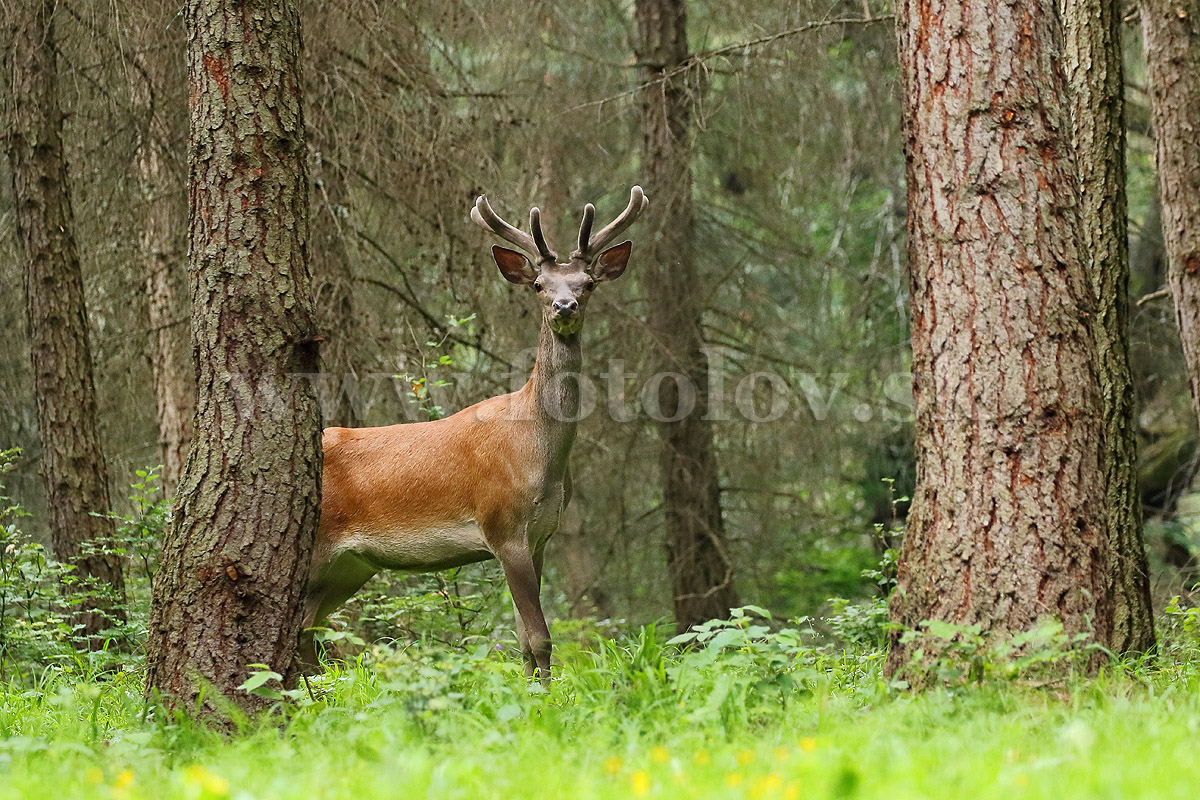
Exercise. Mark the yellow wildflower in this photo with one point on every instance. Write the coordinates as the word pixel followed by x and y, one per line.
pixel 660 755
pixel 613 765
pixel 733 780
pixel 766 785
pixel 701 757
pixel 791 791
pixel 808 744
pixel 641 783
pixel 124 780
pixel 210 783
pixel 94 775
pixel 745 757
pixel 781 754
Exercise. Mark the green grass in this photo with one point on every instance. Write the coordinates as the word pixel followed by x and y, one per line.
pixel 753 714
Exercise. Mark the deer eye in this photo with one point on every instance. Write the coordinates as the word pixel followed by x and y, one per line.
pixel 591 284
pixel 537 285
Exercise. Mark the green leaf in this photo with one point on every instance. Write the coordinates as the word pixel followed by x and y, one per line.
pixel 259 679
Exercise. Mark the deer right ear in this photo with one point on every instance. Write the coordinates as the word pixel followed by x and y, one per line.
pixel 612 262
pixel 513 266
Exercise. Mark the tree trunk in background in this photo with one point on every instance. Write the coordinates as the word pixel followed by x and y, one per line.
pixel 169 348
pixel 333 285
pixel 72 462
pixel 1092 30
pixel 228 592
pixel 697 554
pixel 1171 36
pixel 1007 522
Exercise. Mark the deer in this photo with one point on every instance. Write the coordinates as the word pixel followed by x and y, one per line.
pixel 489 482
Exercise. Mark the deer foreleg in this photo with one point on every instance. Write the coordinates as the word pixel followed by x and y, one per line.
pixel 523 571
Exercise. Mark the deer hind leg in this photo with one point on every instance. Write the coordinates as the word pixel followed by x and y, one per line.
pixel 523 570
pixel 337 583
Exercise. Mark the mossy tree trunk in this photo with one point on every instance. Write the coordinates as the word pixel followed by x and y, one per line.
pixel 228 592
pixel 1095 77
pixel 698 558
pixel 72 462
pixel 1007 523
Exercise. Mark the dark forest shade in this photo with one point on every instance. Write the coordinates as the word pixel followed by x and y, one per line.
pixel 1008 519
pixel 228 592
pixel 72 465
pixel 700 566
pixel 1092 31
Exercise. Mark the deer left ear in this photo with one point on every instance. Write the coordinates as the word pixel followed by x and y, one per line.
pixel 612 262
pixel 513 266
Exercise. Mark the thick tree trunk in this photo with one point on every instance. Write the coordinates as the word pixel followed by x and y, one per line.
pixel 162 259
pixel 72 463
pixel 1171 40
pixel 228 593
pixel 1007 522
pixel 1092 31
pixel 697 555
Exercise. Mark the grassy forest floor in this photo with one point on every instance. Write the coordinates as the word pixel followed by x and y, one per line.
pixel 748 713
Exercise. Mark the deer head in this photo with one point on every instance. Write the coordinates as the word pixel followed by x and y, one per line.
pixel 562 288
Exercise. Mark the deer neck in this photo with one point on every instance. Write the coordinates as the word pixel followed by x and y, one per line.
pixel 553 391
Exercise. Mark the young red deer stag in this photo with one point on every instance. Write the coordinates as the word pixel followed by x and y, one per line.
pixel 488 482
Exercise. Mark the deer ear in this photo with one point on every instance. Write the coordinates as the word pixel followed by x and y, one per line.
pixel 612 262
pixel 513 266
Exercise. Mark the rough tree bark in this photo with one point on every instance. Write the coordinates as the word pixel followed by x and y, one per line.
pixel 228 592
pixel 697 554
pixel 169 350
pixel 1171 40
pixel 72 462
pixel 1094 71
pixel 1007 522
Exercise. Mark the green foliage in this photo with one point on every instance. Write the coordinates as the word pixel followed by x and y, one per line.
pixel 33 618
pixel 1179 633
pixel 954 654
pixel 858 625
pixel 38 594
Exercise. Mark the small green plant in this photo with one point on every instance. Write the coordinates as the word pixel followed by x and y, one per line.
pixel 33 618
pixel 865 624
pixel 421 383
pixel 1179 632
pixel 739 668
pixel 952 654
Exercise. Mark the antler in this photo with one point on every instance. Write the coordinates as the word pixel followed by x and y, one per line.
pixel 533 245
pixel 589 245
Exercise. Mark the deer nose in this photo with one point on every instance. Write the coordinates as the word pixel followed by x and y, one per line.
pixel 566 308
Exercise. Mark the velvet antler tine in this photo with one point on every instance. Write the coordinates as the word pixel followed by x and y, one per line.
pixel 539 240
pixel 637 203
pixel 585 228
pixel 483 214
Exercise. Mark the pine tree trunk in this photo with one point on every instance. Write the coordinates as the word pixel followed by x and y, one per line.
pixel 72 463
pixel 1092 31
pixel 228 592
pixel 698 559
pixel 1007 522
pixel 1171 40
pixel 162 259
